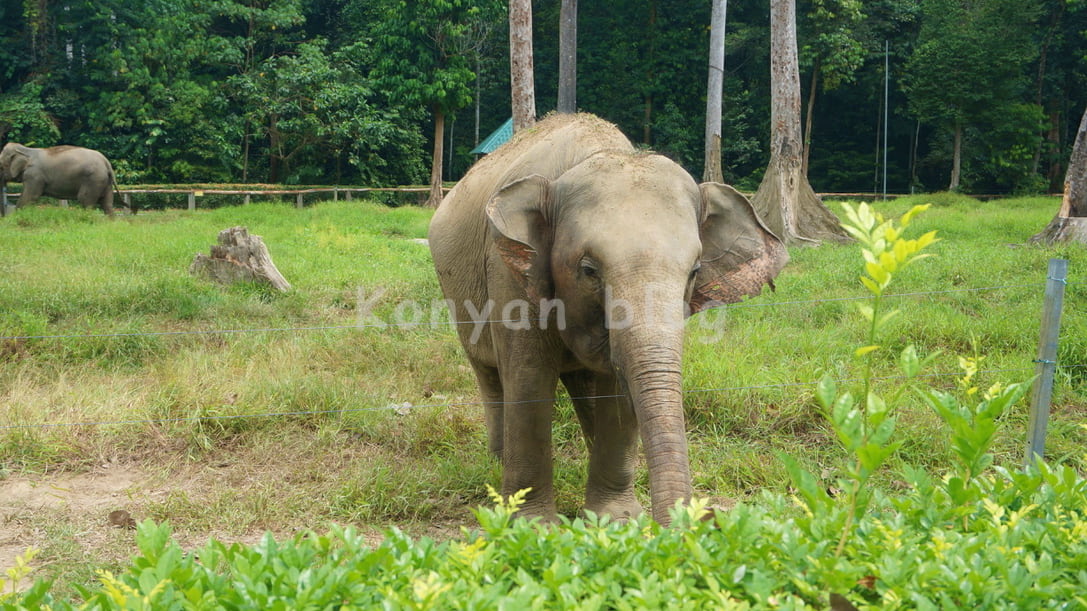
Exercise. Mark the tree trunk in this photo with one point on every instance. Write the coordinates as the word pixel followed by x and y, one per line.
pixel 650 74
pixel 647 120
pixel 1070 224
pixel 956 159
pixel 785 200
pixel 521 67
pixel 808 116
pixel 245 154
pixel 273 150
pixel 436 161
pixel 711 167
pixel 479 89
pixel 568 58
pixel 1053 143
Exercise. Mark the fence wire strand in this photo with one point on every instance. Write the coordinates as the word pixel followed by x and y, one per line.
pixel 412 407
pixel 408 407
pixel 434 323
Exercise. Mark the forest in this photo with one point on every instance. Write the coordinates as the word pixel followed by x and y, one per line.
pixel 346 91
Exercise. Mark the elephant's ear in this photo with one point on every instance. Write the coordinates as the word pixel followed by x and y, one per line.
pixel 739 253
pixel 18 165
pixel 522 231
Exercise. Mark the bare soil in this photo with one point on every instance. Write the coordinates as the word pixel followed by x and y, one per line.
pixel 96 510
pixel 31 506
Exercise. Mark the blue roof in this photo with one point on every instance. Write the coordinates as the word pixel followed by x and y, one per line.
pixel 497 138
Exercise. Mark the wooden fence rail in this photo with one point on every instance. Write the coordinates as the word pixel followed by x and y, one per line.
pixel 194 193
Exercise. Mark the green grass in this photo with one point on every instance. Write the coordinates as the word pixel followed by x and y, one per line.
pixel 296 407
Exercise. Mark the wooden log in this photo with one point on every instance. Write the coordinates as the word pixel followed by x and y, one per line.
pixel 239 257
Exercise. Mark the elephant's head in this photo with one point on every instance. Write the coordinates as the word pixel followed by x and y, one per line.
pixel 629 245
pixel 13 161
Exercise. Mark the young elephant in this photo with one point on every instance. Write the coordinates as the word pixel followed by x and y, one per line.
pixel 567 255
pixel 65 172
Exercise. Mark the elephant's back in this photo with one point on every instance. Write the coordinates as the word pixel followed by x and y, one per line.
pixel 549 148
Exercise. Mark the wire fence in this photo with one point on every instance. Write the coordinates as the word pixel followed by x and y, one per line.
pixel 433 323
pixel 1028 367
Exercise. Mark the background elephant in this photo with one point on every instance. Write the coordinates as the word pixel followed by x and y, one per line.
pixel 567 255
pixel 64 172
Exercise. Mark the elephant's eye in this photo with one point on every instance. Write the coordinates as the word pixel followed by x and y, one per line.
pixel 588 269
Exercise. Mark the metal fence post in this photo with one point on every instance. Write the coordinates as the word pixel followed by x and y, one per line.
pixel 1046 363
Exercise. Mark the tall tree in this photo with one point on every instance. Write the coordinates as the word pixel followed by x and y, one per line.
pixel 969 68
pixel 785 199
pixel 1060 79
pixel 711 168
pixel 568 57
pixel 426 51
pixel 832 50
pixel 522 83
pixel 257 30
pixel 1070 224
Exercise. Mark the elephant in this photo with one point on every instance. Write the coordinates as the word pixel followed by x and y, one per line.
pixel 66 172
pixel 568 255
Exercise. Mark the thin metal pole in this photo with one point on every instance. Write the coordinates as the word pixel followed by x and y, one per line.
pixel 1046 363
pixel 886 108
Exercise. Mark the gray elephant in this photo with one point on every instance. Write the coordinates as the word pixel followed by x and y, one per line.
pixel 567 255
pixel 64 172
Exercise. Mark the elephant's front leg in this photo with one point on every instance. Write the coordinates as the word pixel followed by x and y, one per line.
pixel 613 454
pixel 529 391
pixel 32 190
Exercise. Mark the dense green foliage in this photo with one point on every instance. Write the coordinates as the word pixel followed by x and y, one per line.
pixel 344 91
pixel 1019 544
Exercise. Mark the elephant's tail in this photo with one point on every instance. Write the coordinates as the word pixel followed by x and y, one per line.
pixel 117 190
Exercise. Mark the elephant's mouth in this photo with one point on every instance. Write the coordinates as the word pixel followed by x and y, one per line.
pixel 591 348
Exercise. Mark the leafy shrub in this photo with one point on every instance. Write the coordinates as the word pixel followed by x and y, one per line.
pixel 1018 544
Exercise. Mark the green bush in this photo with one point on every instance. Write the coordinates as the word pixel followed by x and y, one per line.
pixel 1021 544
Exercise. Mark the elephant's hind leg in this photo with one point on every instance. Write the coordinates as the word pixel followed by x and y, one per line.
pixel 94 197
pixel 581 387
pixel 490 390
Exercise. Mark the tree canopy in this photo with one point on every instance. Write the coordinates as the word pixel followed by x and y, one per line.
pixel 351 91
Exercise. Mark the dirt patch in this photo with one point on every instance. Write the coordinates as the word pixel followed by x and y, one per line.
pixel 88 518
pixel 83 498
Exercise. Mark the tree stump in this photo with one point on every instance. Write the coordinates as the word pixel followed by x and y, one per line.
pixel 1062 229
pixel 239 257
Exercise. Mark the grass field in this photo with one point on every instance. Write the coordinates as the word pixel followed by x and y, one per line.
pixel 237 410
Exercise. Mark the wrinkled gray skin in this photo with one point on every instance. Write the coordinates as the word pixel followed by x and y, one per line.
pixel 63 172
pixel 568 211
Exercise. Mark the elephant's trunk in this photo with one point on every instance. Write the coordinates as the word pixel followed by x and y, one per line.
pixel 649 357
